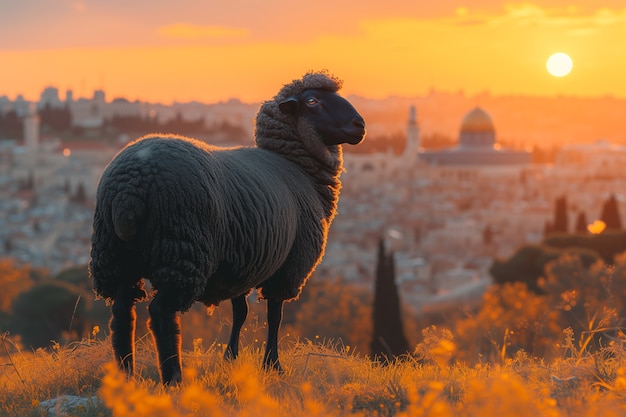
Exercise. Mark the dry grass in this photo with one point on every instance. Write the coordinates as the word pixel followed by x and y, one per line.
pixel 27 378
pixel 321 380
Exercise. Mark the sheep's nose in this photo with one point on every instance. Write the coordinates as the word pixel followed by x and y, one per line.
pixel 359 123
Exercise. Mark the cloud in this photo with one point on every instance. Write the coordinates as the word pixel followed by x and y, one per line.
pixel 570 17
pixel 190 31
pixel 528 17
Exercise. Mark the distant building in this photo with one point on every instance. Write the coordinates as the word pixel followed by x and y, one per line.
pixel 6 156
pixel 31 129
pixel 366 169
pixel 477 153
pixel 21 106
pixel 89 113
pixel 477 146
pixel 123 107
pixel 412 137
pixel 599 159
pixel 69 97
pixel 50 98
pixel 5 104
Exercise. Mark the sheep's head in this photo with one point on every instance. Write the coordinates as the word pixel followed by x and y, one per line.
pixel 308 112
pixel 334 119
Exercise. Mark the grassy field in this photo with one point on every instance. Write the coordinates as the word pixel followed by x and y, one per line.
pixel 321 379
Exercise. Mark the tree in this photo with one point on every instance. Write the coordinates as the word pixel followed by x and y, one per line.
pixel 94 312
pixel 560 216
pixel 547 229
pixel 55 118
pixel 610 214
pixel 388 340
pixel 45 312
pixel 588 299
pixel 333 310
pixel 512 315
pixel 528 264
pixel 14 280
pixel 581 223
pixel 75 275
pixel 11 125
pixel 607 244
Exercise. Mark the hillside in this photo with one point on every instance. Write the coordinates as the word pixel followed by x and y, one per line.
pixel 321 380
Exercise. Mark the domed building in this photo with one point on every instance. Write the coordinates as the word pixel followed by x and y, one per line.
pixel 477 153
pixel 477 145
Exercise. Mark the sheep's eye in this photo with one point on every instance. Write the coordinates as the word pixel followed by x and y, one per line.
pixel 311 101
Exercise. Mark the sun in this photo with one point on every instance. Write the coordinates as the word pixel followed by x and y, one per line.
pixel 559 64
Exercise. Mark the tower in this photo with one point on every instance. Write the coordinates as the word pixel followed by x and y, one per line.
pixel 69 97
pixel 412 138
pixel 31 128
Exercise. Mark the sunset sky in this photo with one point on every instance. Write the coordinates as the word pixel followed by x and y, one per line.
pixel 209 51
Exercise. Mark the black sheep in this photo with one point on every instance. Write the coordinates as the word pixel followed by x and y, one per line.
pixel 208 224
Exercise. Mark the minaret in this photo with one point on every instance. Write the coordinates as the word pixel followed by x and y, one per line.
pixel 31 129
pixel 69 98
pixel 412 138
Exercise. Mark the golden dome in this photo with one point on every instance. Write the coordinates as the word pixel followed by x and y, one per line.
pixel 477 120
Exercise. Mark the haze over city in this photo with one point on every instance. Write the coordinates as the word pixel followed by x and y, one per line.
pixel 163 51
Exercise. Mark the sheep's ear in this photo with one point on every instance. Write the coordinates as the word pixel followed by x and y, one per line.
pixel 289 106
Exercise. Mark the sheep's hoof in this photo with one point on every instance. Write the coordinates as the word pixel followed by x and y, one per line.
pixel 273 366
pixel 127 367
pixel 171 377
pixel 173 381
pixel 229 355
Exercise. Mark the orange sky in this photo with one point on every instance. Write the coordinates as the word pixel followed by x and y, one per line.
pixel 193 50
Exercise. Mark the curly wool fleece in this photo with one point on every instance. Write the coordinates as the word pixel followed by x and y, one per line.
pixel 299 142
pixel 243 217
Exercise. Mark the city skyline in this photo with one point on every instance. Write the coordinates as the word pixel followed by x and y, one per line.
pixel 521 121
pixel 173 51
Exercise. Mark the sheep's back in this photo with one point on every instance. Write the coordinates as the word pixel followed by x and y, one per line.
pixel 229 216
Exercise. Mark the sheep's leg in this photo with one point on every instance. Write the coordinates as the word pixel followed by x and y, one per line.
pixel 274 317
pixel 165 327
pixel 123 328
pixel 240 312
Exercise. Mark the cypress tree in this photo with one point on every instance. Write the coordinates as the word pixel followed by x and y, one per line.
pixel 389 340
pixel 581 223
pixel 560 216
pixel 547 229
pixel 610 214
